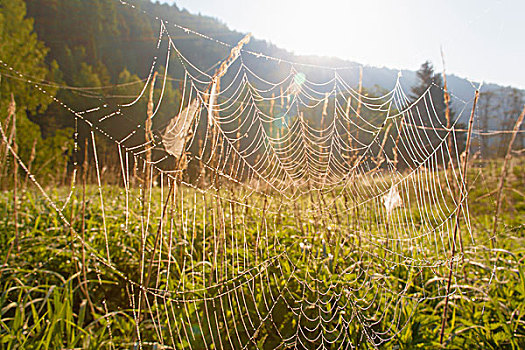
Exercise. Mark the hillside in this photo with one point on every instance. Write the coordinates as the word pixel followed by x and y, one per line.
pixel 111 38
pixel 384 77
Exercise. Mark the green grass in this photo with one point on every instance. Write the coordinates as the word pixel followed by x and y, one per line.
pixel 236 274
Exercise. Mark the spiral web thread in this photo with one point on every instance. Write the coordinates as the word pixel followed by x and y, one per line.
pixel 284 221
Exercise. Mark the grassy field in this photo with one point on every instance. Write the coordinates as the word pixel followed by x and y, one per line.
pixel 234 270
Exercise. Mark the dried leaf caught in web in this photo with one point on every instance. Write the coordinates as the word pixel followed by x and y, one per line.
pixel 392 200
pixel 174 137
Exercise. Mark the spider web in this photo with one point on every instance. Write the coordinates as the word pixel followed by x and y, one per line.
pixel 275 213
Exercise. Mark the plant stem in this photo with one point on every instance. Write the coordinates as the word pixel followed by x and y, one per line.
pixel 15 185
pixel 83 228
pixel 464 194
pixel 503 176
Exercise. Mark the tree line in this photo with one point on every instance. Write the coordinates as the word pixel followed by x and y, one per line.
pixel 92 53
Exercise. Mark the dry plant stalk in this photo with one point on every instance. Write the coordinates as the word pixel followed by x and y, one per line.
pixel 271 114
pixel 30 165
pixel 83 228
pixel 202 167
pixel 446 98
pixel 178 130
pixel 463 195
pixel 215 86
pixel 359 104
pixel 149 140
pixel 5 150
pixel 324 114
pixel 11 114
pixel 218 212
pixel 180 163
pixel 348 124
pixel 503 176
pixel 171 194
pixel 380 159
pixel 398 137
pixel 232 192
pixel 146 185
pixel 80 269
pixel 11 146
pixel 15 177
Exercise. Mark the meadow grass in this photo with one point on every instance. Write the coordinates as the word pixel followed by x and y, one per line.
pixel 61 292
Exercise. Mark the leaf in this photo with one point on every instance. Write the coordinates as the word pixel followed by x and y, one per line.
pixel 392 200
pixel 175 134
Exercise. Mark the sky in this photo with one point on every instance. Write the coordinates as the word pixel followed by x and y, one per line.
pixel 482 40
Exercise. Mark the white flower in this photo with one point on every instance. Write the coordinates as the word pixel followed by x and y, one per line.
pixel 304 246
